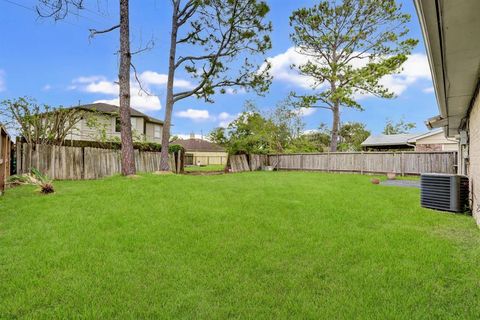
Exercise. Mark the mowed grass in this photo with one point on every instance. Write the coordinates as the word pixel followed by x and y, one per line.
pixel 211 167
pixel 263 245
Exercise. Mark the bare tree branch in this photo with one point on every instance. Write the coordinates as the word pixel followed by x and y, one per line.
pixel 94 32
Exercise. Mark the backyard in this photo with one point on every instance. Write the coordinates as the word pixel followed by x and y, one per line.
pixel 251 245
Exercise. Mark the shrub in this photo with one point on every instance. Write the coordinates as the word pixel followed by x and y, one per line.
pixel 142 146
pixel 35 178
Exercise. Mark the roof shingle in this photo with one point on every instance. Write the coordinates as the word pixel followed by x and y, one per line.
pixel 112 109
pixel 198 145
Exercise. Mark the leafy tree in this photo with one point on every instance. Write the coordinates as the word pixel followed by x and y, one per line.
pixel 218 136
pixel 275 131
pixel 350 46
pixel 220 39
pixel 39 123
pixel 399 127
pixel 320 138
pixel 352 134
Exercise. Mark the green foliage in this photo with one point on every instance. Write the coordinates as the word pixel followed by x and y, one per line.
pixel 319 138
pixel 116 145
pixel 352 134
pixel 397 128
pixel 224 39
pixel 218 136
pixel 38 123
pixel 277 131
pixel 350 45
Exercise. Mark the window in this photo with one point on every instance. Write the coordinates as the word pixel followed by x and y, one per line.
pixel 157 133
pixel 133 122
pixel 118 125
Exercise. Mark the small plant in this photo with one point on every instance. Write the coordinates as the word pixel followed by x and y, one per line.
pixel 35 178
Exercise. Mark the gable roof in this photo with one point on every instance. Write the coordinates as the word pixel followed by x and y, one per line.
pixel 426 135
pixel 113 109
pixel 388 140
pixel 198 145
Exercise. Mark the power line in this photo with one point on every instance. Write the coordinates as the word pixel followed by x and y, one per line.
pixel 35 11
pixel 78 15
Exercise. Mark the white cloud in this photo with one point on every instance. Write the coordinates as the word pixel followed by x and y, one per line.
pixel 100 85
pixel 88 79
pixel 428 90
pixel 226 118
pixel 140 101
pixel 414 69
pixel 160 79
pixel 234 91
pixel 280 68
pixel 3 85
pixel 305 112
pixel 194 114
pixel 47 87
pixel 103 86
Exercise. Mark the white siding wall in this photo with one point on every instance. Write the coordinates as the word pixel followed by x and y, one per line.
pixel 84 133
pixel 474 158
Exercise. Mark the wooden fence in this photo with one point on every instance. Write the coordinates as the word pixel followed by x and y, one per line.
pixel 76 163
pixel 403 163
pixel 5 156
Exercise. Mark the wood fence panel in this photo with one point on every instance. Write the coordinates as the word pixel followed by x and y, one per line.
pixel 75 163
pixel 239 163
pixel 257 161
pixel 368 162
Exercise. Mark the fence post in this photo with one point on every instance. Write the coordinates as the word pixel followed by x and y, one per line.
pixel 362 162
pixel 328 161
pixel 18 161
pixel 402 163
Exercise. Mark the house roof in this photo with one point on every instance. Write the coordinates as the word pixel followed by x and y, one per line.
pixel 426 135
pixel 113 109
pixel 450 30
pixel 388 140
pixel 198 145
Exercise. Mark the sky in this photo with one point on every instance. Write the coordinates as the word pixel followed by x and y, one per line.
pixel 58 64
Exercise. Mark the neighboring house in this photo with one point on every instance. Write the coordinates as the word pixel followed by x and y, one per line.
pixel 434 140
pixel 451 30
pixel 107 125
pixel 390 142
pixel 202 152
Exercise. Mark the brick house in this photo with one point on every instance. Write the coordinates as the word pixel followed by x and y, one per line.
pixel 451 30
pixel 434 140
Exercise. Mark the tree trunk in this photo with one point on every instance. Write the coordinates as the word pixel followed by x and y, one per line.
pixel 164 160
pixel 128 159
pixel 335 128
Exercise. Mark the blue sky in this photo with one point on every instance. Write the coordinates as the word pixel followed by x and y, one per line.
pixel 58 64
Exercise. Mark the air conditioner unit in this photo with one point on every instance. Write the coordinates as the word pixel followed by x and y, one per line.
pixel 445 192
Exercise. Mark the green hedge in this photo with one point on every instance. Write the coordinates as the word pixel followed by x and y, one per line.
pixel 142 146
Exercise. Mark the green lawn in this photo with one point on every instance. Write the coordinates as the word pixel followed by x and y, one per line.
pixel 263 245
pixel 212 167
